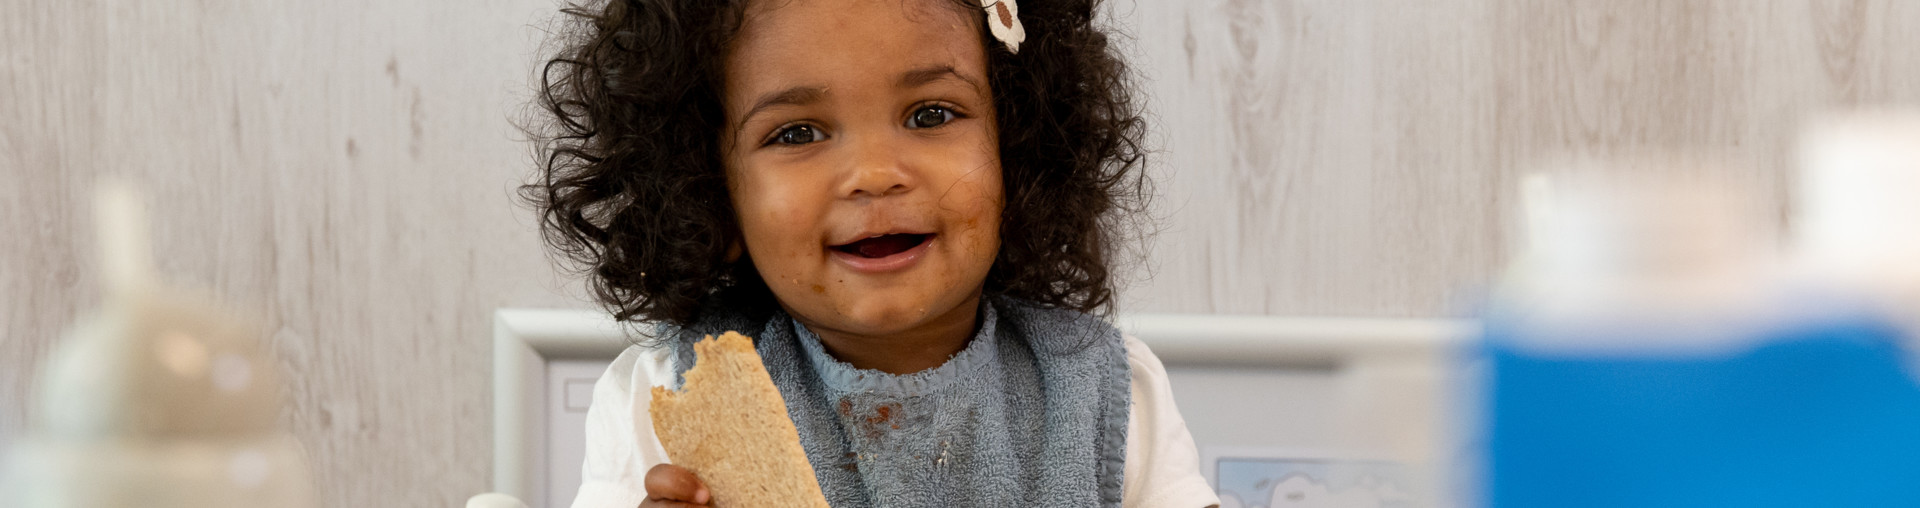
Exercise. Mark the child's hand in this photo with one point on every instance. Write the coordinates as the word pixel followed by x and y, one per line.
pixel 671 486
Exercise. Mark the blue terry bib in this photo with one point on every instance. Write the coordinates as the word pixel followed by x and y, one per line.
pixel 1032 412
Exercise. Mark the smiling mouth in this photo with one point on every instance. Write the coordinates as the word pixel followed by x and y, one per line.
pixel 883 245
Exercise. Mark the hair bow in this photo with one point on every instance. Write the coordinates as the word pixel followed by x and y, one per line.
pixel 1003 19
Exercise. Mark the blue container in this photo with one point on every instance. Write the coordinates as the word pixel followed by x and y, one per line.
pixel 1815 412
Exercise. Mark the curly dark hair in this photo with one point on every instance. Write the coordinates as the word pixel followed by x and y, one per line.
pixel 632 191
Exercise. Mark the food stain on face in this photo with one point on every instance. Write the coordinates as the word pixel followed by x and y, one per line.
pixel 819 289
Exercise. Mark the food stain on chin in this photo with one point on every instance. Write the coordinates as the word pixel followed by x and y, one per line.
pixel 819 289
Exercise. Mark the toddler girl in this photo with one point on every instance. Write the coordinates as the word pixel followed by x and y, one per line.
pixel 912 206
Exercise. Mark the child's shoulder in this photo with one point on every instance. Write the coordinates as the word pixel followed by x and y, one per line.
pixel 1162 464
pixel 1142 360
pixel 638 368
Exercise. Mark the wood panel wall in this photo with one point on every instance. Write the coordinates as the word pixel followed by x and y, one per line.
pixel 339 170
pixel 1358 157
pixel 343 169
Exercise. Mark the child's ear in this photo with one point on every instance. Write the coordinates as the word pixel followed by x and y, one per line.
pixel 733 250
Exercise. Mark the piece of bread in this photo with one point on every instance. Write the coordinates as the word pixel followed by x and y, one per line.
pixel 729 426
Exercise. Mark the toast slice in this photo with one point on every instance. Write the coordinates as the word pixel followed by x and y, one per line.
pixel 729 426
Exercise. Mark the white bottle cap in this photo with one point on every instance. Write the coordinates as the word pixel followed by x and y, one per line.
pixel 494 500
pixel 1658 240
pixel 1859 212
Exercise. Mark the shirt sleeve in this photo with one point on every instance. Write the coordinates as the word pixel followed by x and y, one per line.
pixel 1163 467
pixel 619 452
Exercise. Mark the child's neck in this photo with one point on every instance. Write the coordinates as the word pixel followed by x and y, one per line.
pixel 921 348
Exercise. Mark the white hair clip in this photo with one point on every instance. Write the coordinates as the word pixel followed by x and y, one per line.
pixel 1003 18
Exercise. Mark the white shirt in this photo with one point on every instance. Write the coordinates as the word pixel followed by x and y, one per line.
pixel 1162 468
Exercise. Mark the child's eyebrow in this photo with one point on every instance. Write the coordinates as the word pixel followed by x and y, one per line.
pixel 924 75
pixel 796 96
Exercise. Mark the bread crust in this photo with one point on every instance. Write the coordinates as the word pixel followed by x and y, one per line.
pixel 729 426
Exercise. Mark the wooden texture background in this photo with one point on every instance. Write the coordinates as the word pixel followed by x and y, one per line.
pixel 342 170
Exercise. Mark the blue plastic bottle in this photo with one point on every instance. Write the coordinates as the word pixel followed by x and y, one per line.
pixel 1816 413
pixel 1650 351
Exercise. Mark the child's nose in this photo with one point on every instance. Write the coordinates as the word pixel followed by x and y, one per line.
pixel 876 169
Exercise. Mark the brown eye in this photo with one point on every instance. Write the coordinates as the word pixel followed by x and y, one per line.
pixel 798 135
pixel 930 116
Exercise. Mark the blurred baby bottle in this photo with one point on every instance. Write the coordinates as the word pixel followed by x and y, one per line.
pixel 1647 349
pixel 158 400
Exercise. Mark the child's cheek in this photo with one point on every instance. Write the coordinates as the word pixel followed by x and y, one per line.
pixel 980 231
pixel 776 235
pixel 981 225
pixel 787 226
pixel 789 221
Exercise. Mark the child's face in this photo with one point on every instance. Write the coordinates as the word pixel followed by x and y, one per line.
pixel 857 119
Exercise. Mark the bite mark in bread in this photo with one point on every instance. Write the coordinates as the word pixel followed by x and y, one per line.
pixel 729 426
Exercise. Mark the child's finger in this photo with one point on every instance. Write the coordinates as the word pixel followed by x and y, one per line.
pixel 668 482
